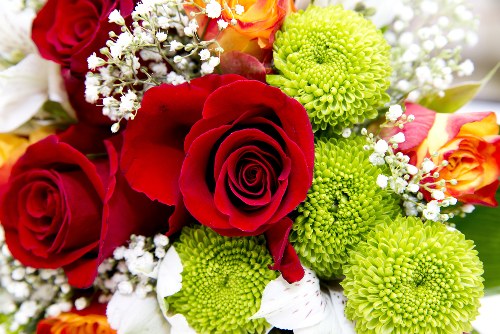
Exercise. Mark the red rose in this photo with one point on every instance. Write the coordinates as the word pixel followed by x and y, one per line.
pixel 69 31
pixel 240 152
pixel 62 209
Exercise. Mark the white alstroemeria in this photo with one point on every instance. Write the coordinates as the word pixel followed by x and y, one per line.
pixel 15 30
pixel 131 314
pixel 169 283
pixel 304 307
pixel 386 10
pixel 25 87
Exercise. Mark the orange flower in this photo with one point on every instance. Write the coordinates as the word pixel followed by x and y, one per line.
pixel 469 142
pixel 254 30
pixel 71 323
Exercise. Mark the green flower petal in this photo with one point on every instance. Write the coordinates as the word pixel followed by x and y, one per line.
pixel 222 281
pixel 413 277
pixel 342 206
pixel 335 62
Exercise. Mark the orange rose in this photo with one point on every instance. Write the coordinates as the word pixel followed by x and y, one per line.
pixel 71 323
pixel 469 142
pixel 254 30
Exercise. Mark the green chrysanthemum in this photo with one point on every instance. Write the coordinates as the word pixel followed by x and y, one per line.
pixel 335 62
pixel 222 281
pixel 410 277
pixel 342 206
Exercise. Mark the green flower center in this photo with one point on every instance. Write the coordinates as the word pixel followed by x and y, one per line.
pixel 222 281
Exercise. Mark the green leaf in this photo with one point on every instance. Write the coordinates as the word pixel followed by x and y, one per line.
pixel 483 226
pixel 457 96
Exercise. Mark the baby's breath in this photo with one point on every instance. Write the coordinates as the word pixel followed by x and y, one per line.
pixel 161 45
pixel 427 38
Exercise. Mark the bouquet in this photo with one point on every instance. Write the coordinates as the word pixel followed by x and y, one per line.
pixel 213 166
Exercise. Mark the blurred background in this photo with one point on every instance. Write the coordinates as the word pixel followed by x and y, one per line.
pixel 486 54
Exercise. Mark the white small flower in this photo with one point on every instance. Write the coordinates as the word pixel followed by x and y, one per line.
pixel 125 287
pixel 438 195
pixel 222 24
pixel 398 138
pixel 431 211
pixel 346 133
pixel 94 61
pixel 395 111
pixel 412 170
pixel 161 240
pixel 427 166
pixel 382 181
pixel 466 68
pixel 213 9
pixel 468 208
pixel 161 36
pixel 116 17
pixel 413 187
pixel 381 146
pixel 175 45
pixel 206 68
pixel 239 9
pixel 214 61
pixel 81 303
pixel 204 54
pixel 376 159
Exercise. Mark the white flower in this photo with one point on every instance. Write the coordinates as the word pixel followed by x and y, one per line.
pixel 431 211
pixel 438 195
pixel 381 146
pixel 161 36
pixel 169 283
pixel 413 187
pixel 15 31
pixel 222 24
pixel 395 111
pixel 131 314
pixel 382 181
pixel 398 138
pixel 468 208
pixel 204 54
pixel 376 159
pixel 25 87
pixel 427 166
pixel 239 9
pixel 213 9
pixel 116 17
pixel 346 133
pixel 175 45
pixel 303 307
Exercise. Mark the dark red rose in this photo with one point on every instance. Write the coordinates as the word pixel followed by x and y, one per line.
pixel 69 31
pixel 237 152
pixel 63 208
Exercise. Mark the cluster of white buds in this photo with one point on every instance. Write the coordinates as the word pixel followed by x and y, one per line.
pixel 28 294
pixel 427 38
pixel 161 45
pixel 407 180
pixel 133 269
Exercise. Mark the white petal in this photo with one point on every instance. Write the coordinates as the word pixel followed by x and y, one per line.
pixel 339 301
pixel 23 90
pixel 130 314
pixel 293 306
pixel 15 30
pixel 169 283
pixel 56 91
